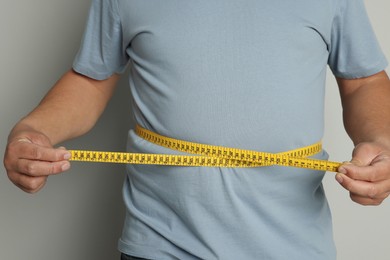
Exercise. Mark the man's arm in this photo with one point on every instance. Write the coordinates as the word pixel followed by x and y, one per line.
pixel 366 111
pixel 70 109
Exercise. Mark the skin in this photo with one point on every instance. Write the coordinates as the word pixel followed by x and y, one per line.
pixel 74 104
pixel 70 109
pixel 366 112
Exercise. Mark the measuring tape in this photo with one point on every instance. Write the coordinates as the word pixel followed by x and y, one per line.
pixel 208 155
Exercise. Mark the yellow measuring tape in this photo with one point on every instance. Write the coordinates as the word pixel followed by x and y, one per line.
pixel 208 155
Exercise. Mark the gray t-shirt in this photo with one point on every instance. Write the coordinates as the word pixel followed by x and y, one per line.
pixel 245 74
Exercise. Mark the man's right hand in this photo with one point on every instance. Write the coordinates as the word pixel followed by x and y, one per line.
pixel 30 158
pixel 70 109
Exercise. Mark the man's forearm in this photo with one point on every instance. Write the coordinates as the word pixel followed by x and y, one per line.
pixel 366 105
pixel 366 108
pixel 70 109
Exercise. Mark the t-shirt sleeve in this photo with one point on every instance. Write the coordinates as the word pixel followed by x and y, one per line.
pixel 354 51
pixel 102 52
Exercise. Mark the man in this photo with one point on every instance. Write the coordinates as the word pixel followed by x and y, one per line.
pixel 244 74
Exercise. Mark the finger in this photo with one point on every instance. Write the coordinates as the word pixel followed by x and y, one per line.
pixel 368 201
pixel 378 171
pixel 363 188
pixel 41 168
pixel 27 183
pixel 36 152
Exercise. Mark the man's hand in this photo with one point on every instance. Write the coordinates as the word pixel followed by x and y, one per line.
pixel 367 176
pixel 70 109
pixel 30 158
pixel 366 111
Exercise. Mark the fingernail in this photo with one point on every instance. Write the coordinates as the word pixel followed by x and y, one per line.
pixel 24 140
pixel 67 156
pixel 342 170
pixel 65 166
pixel 339 178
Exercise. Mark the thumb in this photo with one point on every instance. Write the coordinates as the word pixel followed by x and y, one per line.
pixel 33 137
pixel 363 157
pixel 364 154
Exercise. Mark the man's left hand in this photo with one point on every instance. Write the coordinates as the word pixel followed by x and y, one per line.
pixel 367 175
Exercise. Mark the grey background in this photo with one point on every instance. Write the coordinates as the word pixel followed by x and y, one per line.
pixel 79 214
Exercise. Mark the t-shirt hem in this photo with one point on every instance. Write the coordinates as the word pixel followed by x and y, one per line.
pixel 363 73
pixel 93 74
pixel 133 250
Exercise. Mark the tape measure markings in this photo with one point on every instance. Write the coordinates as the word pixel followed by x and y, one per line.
pixel 204 161
pixel 208 155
